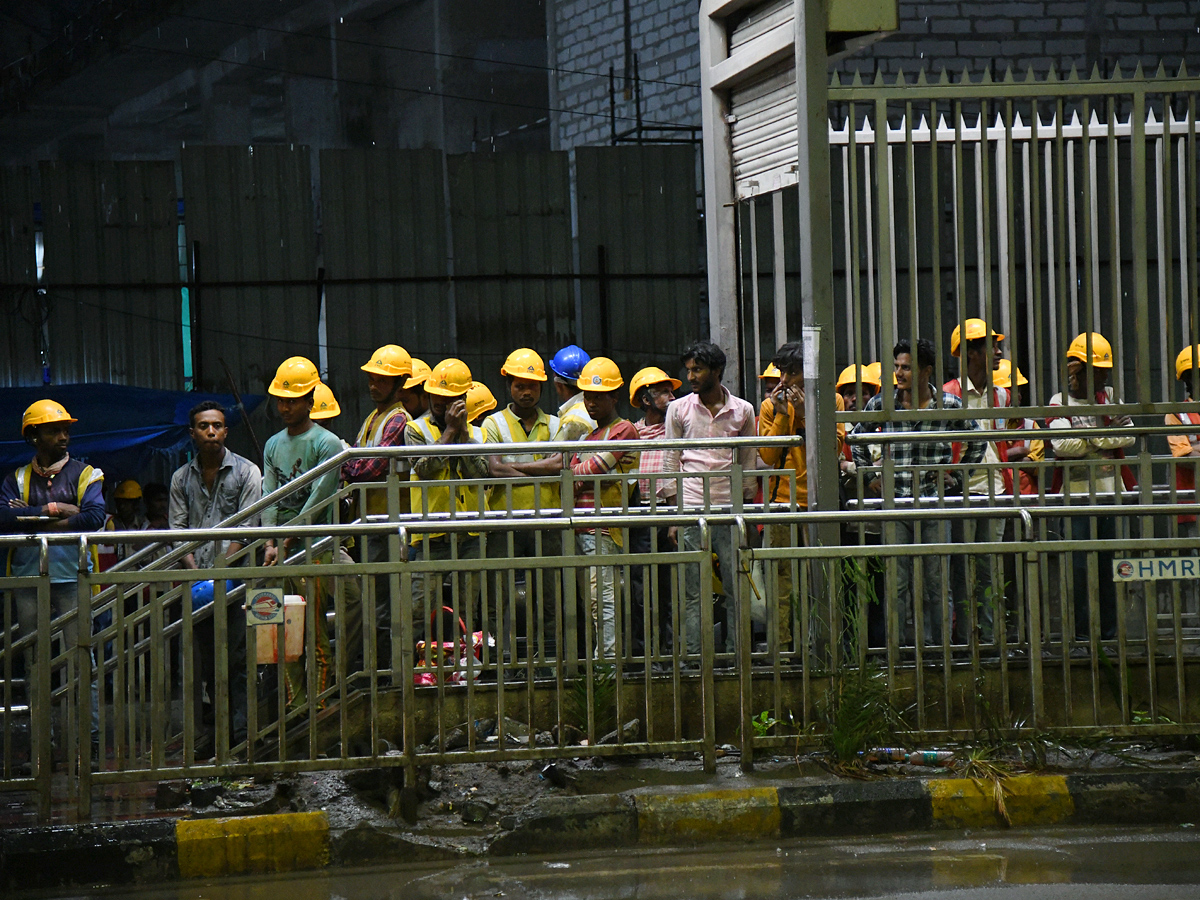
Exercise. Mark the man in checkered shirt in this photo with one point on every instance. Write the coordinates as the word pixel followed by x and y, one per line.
pixel 925 461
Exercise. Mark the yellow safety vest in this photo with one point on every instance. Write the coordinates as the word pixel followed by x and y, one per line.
pixel 86 478
pixel 437 500
pixel 370 435
pixel 510 431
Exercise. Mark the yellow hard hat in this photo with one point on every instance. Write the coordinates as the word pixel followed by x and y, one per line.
pixel 390 359
pixel 1002 377
pixel 325 405
pixel 869 375
pixel 601 374
pixel 1185 360
pixel 771 371
pixel 976 329
pixel 449 378
pixel 524 363
pixel 873 374
pixel 128 490
pixel 420 371
pixel 1101 350
pixel 43 412
pixel 646 377
pixel 295 377
pixel 479 400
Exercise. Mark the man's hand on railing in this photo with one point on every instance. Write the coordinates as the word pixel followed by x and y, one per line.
pixel 271 554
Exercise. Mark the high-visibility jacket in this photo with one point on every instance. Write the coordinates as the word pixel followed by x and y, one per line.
pixel 504 427
pixel 63 559
pixel 435 499
pixel 371 435
pixel 1181 446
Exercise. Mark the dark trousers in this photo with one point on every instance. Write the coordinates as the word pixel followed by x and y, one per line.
pixel 1081 530
pixel 204 637
pixel 659 580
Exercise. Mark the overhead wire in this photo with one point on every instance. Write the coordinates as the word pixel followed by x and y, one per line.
pixel 422 92
pixel 436 53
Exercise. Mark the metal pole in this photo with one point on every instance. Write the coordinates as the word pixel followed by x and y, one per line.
pixel 816 259
pixel 719 211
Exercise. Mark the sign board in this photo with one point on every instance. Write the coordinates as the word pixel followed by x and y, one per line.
pixel 1155 568
pixel 264 606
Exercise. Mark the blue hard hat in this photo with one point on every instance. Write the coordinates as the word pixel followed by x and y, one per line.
pixel 203 593
pixel 569 362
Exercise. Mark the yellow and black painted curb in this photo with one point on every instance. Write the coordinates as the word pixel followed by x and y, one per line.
pixel 157 850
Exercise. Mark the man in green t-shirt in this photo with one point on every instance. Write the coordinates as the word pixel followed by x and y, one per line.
pixel 300 447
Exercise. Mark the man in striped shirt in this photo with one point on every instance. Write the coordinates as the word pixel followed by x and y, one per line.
pixel 651 391
pixel 922 470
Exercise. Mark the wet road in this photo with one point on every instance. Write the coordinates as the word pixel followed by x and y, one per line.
pixel 1096 864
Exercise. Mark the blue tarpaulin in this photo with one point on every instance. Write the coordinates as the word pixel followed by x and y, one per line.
pixel 120 429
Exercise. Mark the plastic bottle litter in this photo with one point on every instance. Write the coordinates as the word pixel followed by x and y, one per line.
pixel 886 754
pixel 930 757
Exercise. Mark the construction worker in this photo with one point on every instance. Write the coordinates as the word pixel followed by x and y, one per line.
pixel 480 402
pixel 574 423
pixel 214 486
pixel 157 497
pixel 1185 448
pixel 301 446
pixel 1089 362
pixel 416 401
pixel 68 495
pixel 769 378
pixel 922 470
pixel 388 370
pixel 709 411
pixel 1028 450
pixel 848 384
pixel 446 423
pixel 127 499
pixel 651 390
pixel 600 382
pixel 522 421
pixel 325 405
pixel 782 414
pixel 982 596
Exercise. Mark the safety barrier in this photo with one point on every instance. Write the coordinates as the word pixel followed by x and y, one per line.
pixel 491 648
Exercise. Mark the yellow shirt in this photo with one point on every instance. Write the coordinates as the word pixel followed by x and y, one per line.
pixel 793 457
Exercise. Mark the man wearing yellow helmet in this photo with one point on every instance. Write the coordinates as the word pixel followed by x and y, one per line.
pixel 301 446
pixel 69 496
pixel 1089 362
pixel 445 424
pixel 522 421
pixel 976 387
pixel 600 382
pixel 388 372
pixel 1185 447
pixel 782 414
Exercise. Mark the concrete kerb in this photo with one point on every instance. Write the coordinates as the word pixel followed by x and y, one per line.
pixel 160 850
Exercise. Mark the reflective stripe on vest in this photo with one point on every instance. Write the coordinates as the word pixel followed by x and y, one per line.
pixel 504 426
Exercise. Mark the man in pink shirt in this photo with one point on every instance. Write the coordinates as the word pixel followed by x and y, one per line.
pixel 710 411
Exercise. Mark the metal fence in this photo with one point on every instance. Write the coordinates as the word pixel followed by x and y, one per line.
pixel 491 646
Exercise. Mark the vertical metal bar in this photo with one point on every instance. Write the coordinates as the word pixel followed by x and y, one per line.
pixel 82 652
pixel 1089 236
pixel 1141 279
pixel 41 703
pixel 886 265
pixel 779 271
pixel 706 649
pixel 744 642
pixel 756 312
pixel 220 700
pixel 1116 263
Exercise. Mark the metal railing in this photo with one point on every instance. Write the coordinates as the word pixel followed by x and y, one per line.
pixel 518 662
